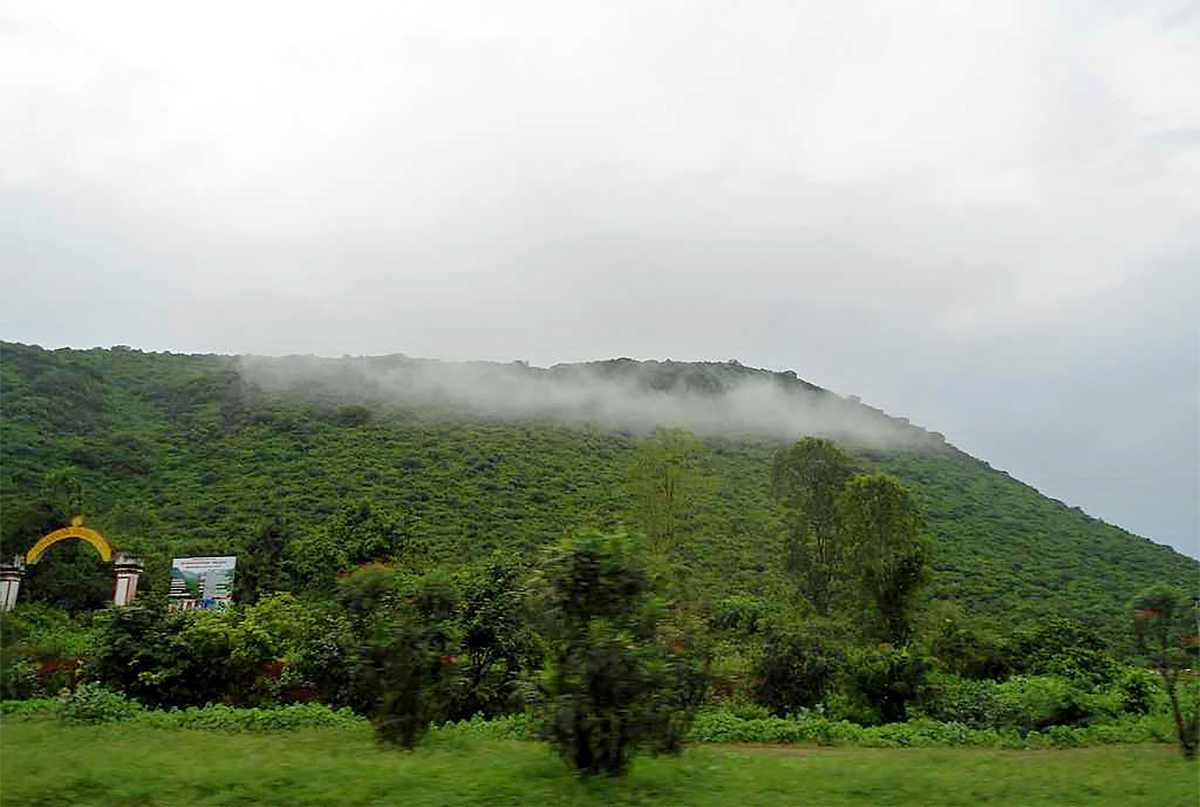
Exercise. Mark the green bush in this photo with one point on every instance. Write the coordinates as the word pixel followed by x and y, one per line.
pixel 93 703
pixel 1037 702
pixel 219 717
pixel 723 727
pixel 519 726
pixel 965 647
pixel 498 641
pixel 408 661
pixel 19 677
pixel 1022 704
pixel 189 659
pixel 742 615
pixel 30 707
pixel 40 647
pixel 881 681
pixel 612 685
pixel 795 671
pixel 1139 692
pixel 318 662
pixel 1066 649
pixel 952 699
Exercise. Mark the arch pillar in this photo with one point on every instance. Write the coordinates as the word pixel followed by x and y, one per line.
pixel 128 570
pixel 11 573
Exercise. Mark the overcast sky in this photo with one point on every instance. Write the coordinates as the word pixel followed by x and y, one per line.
pixel 984 216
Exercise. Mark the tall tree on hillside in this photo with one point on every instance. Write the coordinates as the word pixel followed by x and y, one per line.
pixel 806 479
pixel 260 568
pixel 666 479
pixel 882 522
pixel 1167 626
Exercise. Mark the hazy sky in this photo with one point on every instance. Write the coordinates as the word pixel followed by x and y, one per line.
pixel 984 216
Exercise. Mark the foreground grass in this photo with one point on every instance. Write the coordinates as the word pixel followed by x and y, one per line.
pixel 42 762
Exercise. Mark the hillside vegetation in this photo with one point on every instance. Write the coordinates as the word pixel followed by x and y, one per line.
pixel 179 455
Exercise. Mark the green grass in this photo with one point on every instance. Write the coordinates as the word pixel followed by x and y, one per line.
pixel 46 763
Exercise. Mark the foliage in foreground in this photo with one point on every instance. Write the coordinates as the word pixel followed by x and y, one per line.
pixel 50 764
pixel 405 662
pixel 612 686
pixel 1167 627
pixel 92 704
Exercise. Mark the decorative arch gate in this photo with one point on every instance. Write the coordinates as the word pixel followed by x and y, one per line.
pixel 127 569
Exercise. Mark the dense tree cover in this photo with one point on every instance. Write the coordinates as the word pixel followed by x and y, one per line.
pixel 180 455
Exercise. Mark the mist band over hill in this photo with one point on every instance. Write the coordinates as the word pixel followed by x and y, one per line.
pixel 622 394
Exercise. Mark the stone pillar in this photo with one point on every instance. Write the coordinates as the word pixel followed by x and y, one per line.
pixel 11 573
pixel 127 570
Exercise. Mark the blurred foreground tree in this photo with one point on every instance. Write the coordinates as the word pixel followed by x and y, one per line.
pixel 612 686
pixel 408 661
pixel 1167 626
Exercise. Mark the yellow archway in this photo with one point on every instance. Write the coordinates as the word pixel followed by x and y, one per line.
pixel 76 530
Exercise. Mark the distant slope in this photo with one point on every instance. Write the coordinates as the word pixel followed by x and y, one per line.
pixel 185 455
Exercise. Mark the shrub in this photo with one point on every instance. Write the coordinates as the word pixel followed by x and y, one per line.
pixel 519 726
pixel 31 707
pixel 949 698
pixel 93 703
pixel 1037 702
pixel 408 661
pixel 498 640
pixel 965 647
pixel 611 686
pixel 882 680
pixel 681 681
pixel 1138 692
pixel 318 662
pixel 723 727
pixel 40 649
pixel 138 651
pixel 197 657
pixel 1066 649
pixel 742 615
pixel 795 671
pixel 219 717
pixel 19 678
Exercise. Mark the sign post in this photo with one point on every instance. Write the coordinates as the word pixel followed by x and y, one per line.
pixel 202 583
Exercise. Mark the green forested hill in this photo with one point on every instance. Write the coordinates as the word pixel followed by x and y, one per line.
pixel 191 455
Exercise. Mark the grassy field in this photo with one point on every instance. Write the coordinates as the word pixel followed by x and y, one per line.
pixel 42 762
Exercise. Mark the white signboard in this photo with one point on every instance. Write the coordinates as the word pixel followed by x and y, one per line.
pixel 202 583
